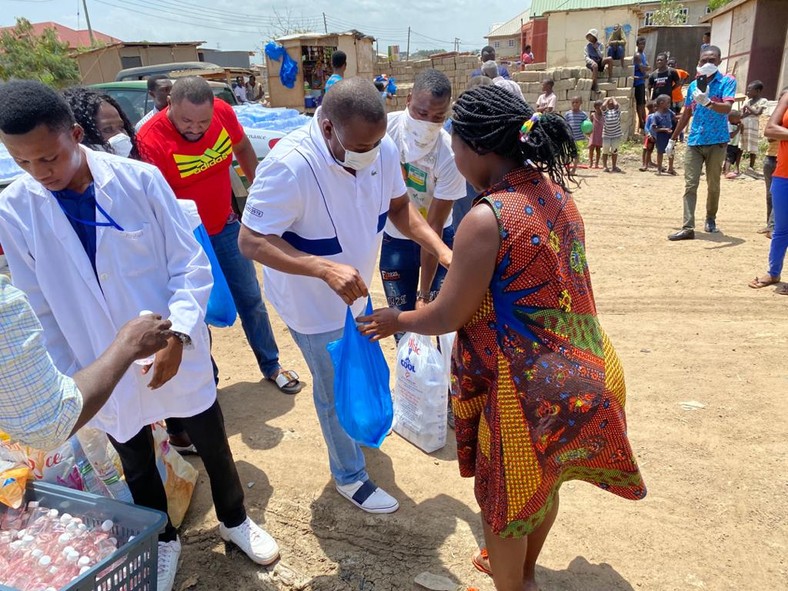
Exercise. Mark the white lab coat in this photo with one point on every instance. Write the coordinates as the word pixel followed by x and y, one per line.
pixel 154 264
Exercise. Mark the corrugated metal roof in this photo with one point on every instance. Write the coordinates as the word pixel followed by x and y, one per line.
pixel 510 27
pixel 540 7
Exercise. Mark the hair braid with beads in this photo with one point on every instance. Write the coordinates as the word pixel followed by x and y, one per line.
pixel 85 104
pixel 489 119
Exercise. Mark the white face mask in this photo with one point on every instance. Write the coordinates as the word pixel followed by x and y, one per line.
pixel 419 137
pixel 120 144
pixel 707 69
pixel 356 160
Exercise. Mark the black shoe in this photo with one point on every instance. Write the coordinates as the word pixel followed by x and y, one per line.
pixel 685 234
pixel 711 227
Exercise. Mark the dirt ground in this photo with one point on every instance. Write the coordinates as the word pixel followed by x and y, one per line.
pixel 687 328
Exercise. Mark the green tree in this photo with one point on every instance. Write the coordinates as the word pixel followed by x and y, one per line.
pixel 669 13
pixel 425 53
pixel 715 4
pixel 23 54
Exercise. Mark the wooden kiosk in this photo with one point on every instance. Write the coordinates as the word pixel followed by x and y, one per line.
pixel 312 52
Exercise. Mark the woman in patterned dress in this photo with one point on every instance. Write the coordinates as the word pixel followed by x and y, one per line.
pixel 538 391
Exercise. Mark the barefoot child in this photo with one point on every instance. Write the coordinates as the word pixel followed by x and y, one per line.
pixel 649 138
pixel 595 141
pixel 611 133
pixel 751 113
pixel 733 154
pixel 663 122
pixel 575 119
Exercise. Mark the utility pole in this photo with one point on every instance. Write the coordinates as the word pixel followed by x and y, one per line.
pixel 407 56
pixel 325 23
pixel 457 44
pixel 87 19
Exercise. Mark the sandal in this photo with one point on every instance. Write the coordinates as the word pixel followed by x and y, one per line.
pixel 783 290
pixel 673 173
pixel 287 381
pixel 481 561
pixel 758 284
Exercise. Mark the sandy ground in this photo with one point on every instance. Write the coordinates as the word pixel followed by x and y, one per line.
pixel 687 328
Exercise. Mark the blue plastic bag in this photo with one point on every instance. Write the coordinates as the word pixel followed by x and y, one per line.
pixel 362 396
pixel 289 70
pixel 221 311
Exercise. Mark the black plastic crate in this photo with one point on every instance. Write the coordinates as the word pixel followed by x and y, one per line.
pixel 133 566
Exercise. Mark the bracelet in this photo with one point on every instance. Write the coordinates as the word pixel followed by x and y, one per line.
pixel 424 296
pixel 185 339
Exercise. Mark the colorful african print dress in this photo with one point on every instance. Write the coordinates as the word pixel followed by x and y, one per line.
pixel 538 390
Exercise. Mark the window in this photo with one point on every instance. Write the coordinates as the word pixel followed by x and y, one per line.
pixel 496 44
pixel 683 15
pixel 131 61
pixel 708 10
pixel 647 18
pixel 511 42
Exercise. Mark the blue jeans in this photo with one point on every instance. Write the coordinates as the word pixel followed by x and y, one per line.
pixel 463 206
pixel 400 267
pixel 345 458
pixel 780 233
pixel 242 280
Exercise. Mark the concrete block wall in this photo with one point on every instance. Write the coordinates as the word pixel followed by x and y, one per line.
pixel 569 82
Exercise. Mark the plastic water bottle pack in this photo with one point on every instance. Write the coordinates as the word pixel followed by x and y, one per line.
pixel 44 550
pixel 256 116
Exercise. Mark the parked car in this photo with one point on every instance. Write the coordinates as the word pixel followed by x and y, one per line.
pixel 143 72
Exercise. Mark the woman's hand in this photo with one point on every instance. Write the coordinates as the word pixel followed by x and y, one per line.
pixel 382 323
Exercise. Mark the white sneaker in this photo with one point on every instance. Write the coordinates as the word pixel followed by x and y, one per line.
pixel 368 497
pixel 258 545
pixel 169 553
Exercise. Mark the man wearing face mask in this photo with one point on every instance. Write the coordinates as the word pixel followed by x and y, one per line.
pixel 709 100
pixel 411 276
pixel 314 219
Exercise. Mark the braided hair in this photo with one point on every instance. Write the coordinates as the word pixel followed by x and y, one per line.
pixel 489 119
pixel 85 104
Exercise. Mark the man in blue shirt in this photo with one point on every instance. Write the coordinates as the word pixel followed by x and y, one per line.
pixel 338 65
pixel 709 100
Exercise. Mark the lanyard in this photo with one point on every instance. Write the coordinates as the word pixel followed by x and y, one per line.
pixel 109 223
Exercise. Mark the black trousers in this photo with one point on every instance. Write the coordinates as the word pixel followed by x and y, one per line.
pixel 206 430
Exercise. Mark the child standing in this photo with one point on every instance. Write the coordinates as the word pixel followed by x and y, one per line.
pixel 595 142
pixel 575 119
pixel 663 122
pixel 751 112
pixel 733 155
pixel 546 101
pixel 649 138
pixel 611 133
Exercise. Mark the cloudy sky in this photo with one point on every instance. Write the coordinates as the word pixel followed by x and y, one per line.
pixel 246 25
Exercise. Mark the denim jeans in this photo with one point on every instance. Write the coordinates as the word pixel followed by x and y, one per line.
pixel 345 458
pixel 769 165
pixel 242 280
pixel 780 233
pixel 694 158
pixel 400 267
pixel 208 434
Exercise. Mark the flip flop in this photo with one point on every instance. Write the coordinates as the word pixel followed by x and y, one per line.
pixel 782 290
pixel 481 560
pixel 287 381
pixel 758 284
pixel 673 173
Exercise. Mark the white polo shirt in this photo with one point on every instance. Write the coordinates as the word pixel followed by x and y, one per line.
pixel 434 176
pixel 301 194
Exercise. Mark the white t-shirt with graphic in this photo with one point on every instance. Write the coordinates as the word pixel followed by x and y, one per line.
pixel 434 176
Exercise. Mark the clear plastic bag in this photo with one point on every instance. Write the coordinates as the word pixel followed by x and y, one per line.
pixel 421 392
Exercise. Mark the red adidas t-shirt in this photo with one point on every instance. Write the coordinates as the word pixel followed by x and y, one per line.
pixel 196 170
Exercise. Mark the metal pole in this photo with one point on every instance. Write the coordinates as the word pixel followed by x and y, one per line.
pixel 325 23
pixel 407 56
pixel 87 19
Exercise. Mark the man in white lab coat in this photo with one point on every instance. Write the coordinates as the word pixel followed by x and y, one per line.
pixel 94 239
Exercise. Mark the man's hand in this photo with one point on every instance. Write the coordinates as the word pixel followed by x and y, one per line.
pixel 671 147
pixel 143 336
pixel 166 364
pixel 380 324
pixel 701 98
pixel 445 257
pixel 345 281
